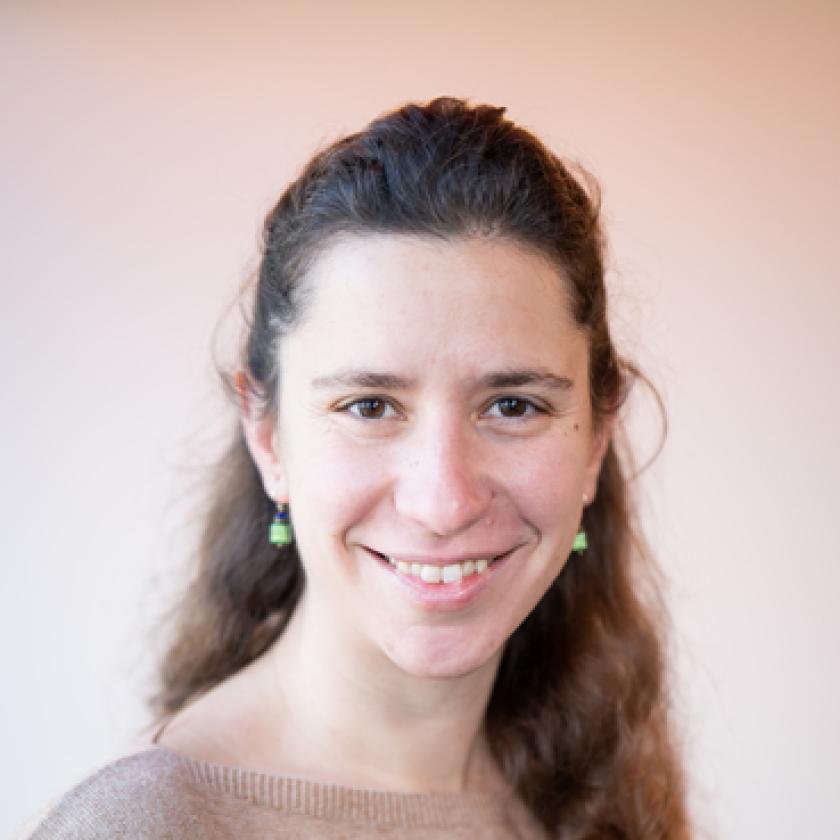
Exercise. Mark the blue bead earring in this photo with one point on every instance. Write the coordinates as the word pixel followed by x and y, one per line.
pixel 280 530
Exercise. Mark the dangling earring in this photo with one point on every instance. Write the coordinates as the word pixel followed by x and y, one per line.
pixel 280 530
pixel 580 544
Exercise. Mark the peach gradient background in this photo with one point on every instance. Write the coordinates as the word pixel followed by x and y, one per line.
pixel 143 142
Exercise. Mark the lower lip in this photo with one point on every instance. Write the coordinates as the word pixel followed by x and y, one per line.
pixel 443 596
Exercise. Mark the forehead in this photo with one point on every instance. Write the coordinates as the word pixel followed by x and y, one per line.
pixel 386 297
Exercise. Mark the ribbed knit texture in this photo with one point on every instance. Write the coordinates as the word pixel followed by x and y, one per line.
pixel 157 793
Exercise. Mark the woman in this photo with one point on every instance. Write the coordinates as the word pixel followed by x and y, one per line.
pixel 444 636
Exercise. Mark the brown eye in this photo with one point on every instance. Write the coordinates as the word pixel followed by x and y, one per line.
pixel 370 408
pixel 513 407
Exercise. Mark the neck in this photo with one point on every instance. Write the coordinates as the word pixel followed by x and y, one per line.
pixel 344 706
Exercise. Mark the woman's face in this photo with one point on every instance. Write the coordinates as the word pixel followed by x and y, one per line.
pixel 434 418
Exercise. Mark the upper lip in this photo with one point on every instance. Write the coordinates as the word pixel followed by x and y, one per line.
pixel 441 560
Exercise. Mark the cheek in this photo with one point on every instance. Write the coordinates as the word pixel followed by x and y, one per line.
pixel 331 486
pixel 548 488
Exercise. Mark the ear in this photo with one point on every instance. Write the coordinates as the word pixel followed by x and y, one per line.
pixel 601 436
pixel 260 436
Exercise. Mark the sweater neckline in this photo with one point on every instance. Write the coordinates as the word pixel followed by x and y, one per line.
pixel 326 800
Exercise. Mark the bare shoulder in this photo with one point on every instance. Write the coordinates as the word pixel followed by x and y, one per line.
pixel 226 726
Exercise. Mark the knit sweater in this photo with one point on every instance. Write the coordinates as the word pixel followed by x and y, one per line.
pixel 158 794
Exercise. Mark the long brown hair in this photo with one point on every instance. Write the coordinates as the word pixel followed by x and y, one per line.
pixel 578 719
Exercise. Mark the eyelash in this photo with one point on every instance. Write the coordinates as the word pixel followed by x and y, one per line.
pixel 531 408
pixel 348 407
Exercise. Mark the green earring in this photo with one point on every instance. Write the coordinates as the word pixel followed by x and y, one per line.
pixel 580 544
pixel 280 530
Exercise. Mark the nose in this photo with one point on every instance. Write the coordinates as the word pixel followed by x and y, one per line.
pixel 443 486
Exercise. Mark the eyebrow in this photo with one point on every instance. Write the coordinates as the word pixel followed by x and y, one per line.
pixel 363 379
pixel 512 378
pixel 515 378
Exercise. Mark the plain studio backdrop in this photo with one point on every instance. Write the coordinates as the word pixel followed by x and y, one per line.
pixel 142 143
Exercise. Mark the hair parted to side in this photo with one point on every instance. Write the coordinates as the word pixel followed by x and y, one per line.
pixel 578 719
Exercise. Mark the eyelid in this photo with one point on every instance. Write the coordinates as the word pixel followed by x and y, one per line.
pixel 346 406
pixel 534 407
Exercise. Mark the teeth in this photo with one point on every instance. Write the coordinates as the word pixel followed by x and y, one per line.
pixel 452 573
pixel 430 574
pixel 441 574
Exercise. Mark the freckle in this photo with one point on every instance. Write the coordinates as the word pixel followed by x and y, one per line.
pixel 576 427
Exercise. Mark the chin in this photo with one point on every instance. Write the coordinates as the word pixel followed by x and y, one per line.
pixel 438 653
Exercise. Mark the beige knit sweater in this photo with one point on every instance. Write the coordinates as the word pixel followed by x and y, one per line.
pixel 157 793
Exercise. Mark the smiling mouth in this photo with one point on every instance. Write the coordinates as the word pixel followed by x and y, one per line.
pixel 436 573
